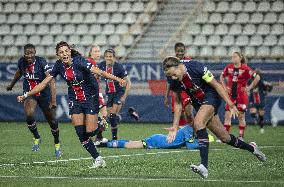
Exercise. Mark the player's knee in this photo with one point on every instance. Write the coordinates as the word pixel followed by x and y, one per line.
pixel 30 120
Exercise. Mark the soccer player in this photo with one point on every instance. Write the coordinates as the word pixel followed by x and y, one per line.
pixel 82 93
pixel 183 138
pixel 34 69
pixel 94 57
pixel 187 116
pixel 238 74
pixel 115 93
pixel 206 94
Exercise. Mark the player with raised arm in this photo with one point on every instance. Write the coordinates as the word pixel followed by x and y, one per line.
pixel 206 93
pixel 82 93
pixel 35 69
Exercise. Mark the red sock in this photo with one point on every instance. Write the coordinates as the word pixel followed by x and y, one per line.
pixel 242 131
pixel 182 121
pixel 227 127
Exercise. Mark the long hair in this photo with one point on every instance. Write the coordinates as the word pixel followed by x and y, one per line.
pixel 169 62
pixel 73 51
pixel 92 47
pixel 243 59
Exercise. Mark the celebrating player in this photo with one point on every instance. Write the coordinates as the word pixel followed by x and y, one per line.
pixel 82 94
pixel 238 74
pixel 205 92
pixel 116 94
pixel 35 69
pixel 186 116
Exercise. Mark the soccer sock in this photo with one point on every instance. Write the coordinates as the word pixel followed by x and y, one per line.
pixel 242 131
pixel 92 134
pixel 261 121
pixel 55 131
pixel 202 136
pixel 235 142
pixel 32 127
pixel 87 144
pixel 227 127
pixel 117 143
pixel 100 135
pixel 113 123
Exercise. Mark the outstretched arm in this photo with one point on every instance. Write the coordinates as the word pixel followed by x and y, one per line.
pixel 127 89
pixel 17 76
pixel 253 83
pixel 99 72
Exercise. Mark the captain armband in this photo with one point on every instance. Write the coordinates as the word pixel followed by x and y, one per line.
pixel 208 76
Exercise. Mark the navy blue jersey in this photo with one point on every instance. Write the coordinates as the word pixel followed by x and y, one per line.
pixel 33 74
pixel 257 95
pixel 117 70
pixel 81 83
pixel 195 82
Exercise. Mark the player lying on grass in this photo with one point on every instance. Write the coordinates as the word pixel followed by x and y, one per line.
pixel 183 138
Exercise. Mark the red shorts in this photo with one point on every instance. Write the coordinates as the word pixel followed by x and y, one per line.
pixel 241 102
pixel 185 100
pixel 101 101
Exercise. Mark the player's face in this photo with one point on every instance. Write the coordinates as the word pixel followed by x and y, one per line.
pixel 96 53
pixel 180 52
pixel 29 55
pixel 236 58
pixel 176 73
pixel 109 58
pixel 64 54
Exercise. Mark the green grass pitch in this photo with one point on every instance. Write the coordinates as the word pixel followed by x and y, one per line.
pixel 140 167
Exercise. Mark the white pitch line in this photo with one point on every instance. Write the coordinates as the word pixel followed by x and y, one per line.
pixel 119 156
pixel 148 179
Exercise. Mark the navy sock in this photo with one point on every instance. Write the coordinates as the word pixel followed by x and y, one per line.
pixel 88 145
pixel 117 143
pixel 93 133
pixel 113 123
pixel 261 121
pixel 203 139
pixel 55 131
pixel 100 135
pixel 235 142
pixel 32 127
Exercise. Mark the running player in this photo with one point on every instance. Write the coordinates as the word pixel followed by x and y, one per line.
pixel 187 116
pixel 115 93
pixel 238 74
pixel 82 94
pixel 205 93
pixel 183 138
pixel 34 69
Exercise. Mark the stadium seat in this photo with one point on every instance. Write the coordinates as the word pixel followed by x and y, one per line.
pixel 235 29
pixel 39 18
pixel 35 39
pixel 103 18
pixel 256 40
pixel 77 18
pixel 108 29
pixel 40 51
pixel 2 51
pixel 12 51
pixel 124 7
pixel 263 29
pixel 229 18
pixel 281 40
pixel 152 6
pixel 277 29
pixel 47 40
pixel 72 7
pixel 187 39
pixel 21 7
pixel 86 7
pixel 256 18
pixel 203 18
pixel 111 7
pixel 236 6
pixel 233 49
pixel 144 18
pixel 99 7
pixel 101 40
pixel 263 51
pixel 95 29
pixel 3 18
pixel 200 40
pixel 277 6
pixel 47 7
pixel 192 51
pixel 137 7
pixel 87 40
pixel 209 6
pixel 249 51
pixel 17 29
pixel 242 40
pixel 214 40
pixel 130 18
pixel 206 51
pixel 228 40
pixel 194 29
pixel 120 51
pixel 69 29
pixel 42 29
pixel 114 40
pixel 34 7
pixel 82 29
pixel 136 29
pixel 127 40
pixel 90 18
pixel 281 18
pixel 59 6
pixel 21 40
pixel 270 40
pixel 13 18
pixel 277 51
pixel 8 40
pixel 215 18
pixel 116 18
pixel 220 51
pixel 242 18
pixel 221 29
pixel 208 29
pixel 64 18
pixel 263 6
pixel 50 51
pixel 30 29
pixel 270 17
pixel 51 18
pixel 55 29
pixel 4 29
pixel 74 39
pixel 9 7
pixel 249 29
pixel 249 6
pixel 223 6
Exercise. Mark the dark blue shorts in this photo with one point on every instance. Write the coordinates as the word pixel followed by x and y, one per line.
pixel 86 107
pixel 260 105
pixel 210 99
pixel 42 101
pixel 114 98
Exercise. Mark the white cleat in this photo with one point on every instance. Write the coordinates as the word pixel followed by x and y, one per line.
pixel 241 138
pixel 260 156
pixel 104 140
pixel 201 170
pixel 262 131
pixel 218 141
pixel 98 163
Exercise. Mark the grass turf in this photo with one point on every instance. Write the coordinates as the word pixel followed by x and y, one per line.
pixel 227 166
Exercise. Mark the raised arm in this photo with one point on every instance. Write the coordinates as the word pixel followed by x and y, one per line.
pixel 99 72
pixel 16 77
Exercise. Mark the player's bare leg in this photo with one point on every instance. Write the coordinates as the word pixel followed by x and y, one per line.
pixel 134 145
pixel 242 124
pixel 254 115
pixel 227 121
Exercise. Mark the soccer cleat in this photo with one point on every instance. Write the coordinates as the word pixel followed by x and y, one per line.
pixel 98 163
pixel 218 141
pixel 262 131
pixel 201 170
pixel 241 138
pixel 58 150
pixel 260 156
pixel 35 146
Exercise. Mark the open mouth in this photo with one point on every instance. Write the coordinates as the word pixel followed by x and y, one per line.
pixel 65 58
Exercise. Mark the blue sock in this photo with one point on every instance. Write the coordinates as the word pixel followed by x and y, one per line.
pixel 235 142
pixel 84 139
pixel 113 123
pixel 32 127
pixel 203 139
pixel 117 143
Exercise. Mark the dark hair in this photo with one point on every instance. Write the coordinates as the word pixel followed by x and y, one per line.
pixel 169 62
pixel 109 51
pixel 73 51
pixel 93 46
pixel 258 71
pixel 179 44
pixel 29 46
pixel 243 59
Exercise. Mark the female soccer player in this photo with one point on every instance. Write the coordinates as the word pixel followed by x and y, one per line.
pixel 205 92
pixel 35 69
pixel 116 94
pixel 82 94
pixel 238 74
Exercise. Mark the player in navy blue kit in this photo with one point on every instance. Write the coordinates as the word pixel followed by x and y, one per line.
pixel 34 69
pixel 205 93
pixel 82 93
pixel 115 93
